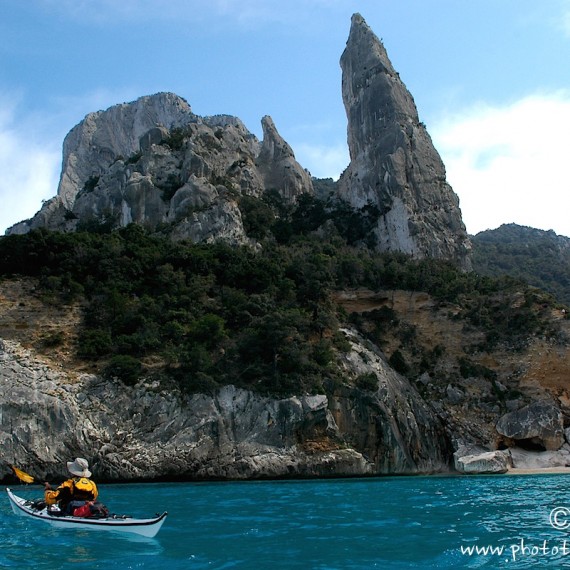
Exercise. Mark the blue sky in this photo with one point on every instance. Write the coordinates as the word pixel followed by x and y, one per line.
pixel 490 78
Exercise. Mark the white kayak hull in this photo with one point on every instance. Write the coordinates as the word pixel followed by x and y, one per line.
pixel 143 527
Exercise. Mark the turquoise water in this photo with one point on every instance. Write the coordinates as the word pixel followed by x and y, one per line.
pixel 405 522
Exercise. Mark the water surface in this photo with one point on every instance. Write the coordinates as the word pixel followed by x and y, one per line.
pixel 394 522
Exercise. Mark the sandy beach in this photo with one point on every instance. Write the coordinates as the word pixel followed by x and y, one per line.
pixel 538 471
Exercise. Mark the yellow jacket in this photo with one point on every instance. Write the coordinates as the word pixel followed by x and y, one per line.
pixel 78 488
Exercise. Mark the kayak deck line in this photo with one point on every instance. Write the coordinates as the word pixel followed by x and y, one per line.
pixel 145 527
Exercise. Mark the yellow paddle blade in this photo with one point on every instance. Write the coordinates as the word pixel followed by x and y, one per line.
pixel 24 477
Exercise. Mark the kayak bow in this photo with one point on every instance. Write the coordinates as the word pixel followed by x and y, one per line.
pixel 143 527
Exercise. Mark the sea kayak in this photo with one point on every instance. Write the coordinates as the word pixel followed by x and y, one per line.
pixel 143 527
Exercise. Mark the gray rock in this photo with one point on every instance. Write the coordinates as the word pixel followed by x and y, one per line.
pixel 540 424
pixel 147 432
pixel 513 405
pixel 394 426
pixel 141 432
pixel 484 463
pixel 278 167
pixel 424 379
pixel 525 459
pixel 156 135
pixel 96 142
pixel 393 163
pixel 454 394
pixel 120 167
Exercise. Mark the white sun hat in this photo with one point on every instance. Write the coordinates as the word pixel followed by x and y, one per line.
pixel 79 467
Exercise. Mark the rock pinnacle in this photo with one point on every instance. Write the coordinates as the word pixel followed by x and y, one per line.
pixel 394 165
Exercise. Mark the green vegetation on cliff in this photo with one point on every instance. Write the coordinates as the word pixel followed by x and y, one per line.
pixel 207 315
pixel 538 257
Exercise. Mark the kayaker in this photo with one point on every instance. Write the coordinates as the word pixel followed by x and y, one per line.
pixel 75 491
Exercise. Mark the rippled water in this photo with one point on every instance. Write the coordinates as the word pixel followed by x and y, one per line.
pixel 405 522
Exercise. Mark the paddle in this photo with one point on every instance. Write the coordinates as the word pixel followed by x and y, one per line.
pixel 22 475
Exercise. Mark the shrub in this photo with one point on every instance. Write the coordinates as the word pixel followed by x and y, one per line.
pixel 212 313
pixel 134 158
pixel 176 138
pixel 368 381
pixel 398 362
pixel 124 367
pixel 468 369
pixel 91 183
pixel 257 216
pixel 54 339
pixel 94 343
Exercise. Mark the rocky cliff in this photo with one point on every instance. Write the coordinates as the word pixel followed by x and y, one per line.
pixel 393 163
pixel 147 431
pixel 373 421
pixel 154 162
pixel 421 380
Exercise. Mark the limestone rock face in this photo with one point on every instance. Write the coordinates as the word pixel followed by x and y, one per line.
pixel 147 432
pixel 96 142
pixel 393 163
pixel 394 424
pixel 538 424
pixel 484 463
pixel 278 166
pixel 144 432
pixel 153 162
pixel 525 459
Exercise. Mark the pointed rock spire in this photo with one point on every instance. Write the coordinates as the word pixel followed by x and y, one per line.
pixel 278 166
pixel 394 165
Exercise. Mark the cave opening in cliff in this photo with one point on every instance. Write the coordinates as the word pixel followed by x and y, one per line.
pixel 531 444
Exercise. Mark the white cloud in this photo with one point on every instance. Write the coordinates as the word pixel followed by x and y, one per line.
pixel 509 163
pixel 31 148
pixel 29 167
